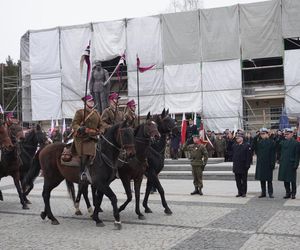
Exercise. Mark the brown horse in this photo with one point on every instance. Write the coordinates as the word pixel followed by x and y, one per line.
pixel 117 140
pixel 10 164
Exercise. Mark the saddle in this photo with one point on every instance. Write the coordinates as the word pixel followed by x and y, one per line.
pixel 69 159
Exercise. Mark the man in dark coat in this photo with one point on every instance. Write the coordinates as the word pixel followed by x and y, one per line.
pixel 241 158
pixel 289 161
pixel 265 164
pixel 190 131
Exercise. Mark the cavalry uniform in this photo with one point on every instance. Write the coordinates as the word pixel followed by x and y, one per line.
pixel 289 161
pixel 111 116
pixel 199 157
pixel 15 131
pixel 130 115
pixel 85 143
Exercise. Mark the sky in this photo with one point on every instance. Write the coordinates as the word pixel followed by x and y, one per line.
pixel 18 16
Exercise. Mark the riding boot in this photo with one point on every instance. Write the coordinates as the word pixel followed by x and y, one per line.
pixel 196 191
pixel 83 161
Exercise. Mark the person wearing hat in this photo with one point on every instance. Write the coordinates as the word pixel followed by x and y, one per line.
pixel 210 146
pixel 86 124
pixel 241 157
pixel 199 157
pixel 56 135
pixel 112 115
pixel 15 130
pixel 220 145
pixel 129 113
pixel 99 86
pixel 265 164
pixel 288 164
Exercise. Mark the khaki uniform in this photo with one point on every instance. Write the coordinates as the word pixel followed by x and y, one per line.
pixel 85 144
pixel 131 118
pixel 199 157
pixel 111 116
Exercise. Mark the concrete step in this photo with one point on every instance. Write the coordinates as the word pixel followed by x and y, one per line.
pixel 209 167
pixel 181 161
pixel 207 175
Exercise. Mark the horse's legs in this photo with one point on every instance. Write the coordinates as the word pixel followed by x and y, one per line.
pixel 86 198
pixel 97 203
pixel 78 197
pixel 161 191
pixel 26 192
pixel 48 186
pixel 146 197
pixel 137 189
pixel 95 197
pixel 16 178
pixel 1 196
pixel 126 185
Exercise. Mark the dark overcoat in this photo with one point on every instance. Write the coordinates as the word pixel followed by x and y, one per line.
pixel 266 155
pixel 289 160
pixel 241 157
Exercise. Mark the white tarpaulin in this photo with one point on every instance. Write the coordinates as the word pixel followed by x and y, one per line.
pixel 74 41
pixel 292 82
pixel 46 99
pixel 108 40
pixel 183 87
pixel 151 90
pixel 222 96
pixel 144 39
pixel 261 30
pixel 181 37
pixel 290 18
pixel 220 33
pixel 44 53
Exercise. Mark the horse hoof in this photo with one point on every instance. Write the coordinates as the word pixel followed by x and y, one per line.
pixel 148 210
pixel 55 222
pixel 43 215
pixel 78 212
pixel 90 211
pixel 100 224
pixel 168 211
pixel 25 207
pixel 118 225
pixel 142 217
pixel 28 202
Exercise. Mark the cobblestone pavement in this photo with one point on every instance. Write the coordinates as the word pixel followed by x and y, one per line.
pixel 216 220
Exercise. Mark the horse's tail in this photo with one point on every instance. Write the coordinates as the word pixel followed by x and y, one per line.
pixel 71 190
pixel 33 171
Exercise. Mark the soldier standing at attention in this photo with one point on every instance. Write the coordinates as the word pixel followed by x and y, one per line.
pixel 112 115
pixel 266 155
pixel 87 125
pixel 241 158
pixel 199 157
pixel 289 161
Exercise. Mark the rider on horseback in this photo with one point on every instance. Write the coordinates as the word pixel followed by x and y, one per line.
pixel 112 115
pixel 14 129
pixel 130 115
pixel 86 127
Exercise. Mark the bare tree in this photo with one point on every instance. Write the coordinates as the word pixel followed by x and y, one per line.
pixel 184 5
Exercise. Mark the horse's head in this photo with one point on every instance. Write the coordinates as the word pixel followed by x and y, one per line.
pixel 150 128
pixel 125 139
pixel 35 136
pixel 5 140
pixel 165 123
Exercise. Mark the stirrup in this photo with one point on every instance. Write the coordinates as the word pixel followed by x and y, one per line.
pixel 83 177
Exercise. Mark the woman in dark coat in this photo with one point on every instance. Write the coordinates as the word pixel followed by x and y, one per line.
pixel 265 152
pixel 289 161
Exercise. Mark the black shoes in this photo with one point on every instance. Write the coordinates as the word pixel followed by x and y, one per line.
pixel 200 191
pixel 287 196
pixel 196 191
pixel 271 196
pixel 243 195
pixel 262 196
pixel 238 195
pixel 293 196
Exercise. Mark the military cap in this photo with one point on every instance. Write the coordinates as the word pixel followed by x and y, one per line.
pixel 114 96
pixel 288 130
pixel 87 98
pixel 131 104
pixel 263 130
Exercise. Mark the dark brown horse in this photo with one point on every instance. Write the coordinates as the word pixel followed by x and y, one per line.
pixel 156 157
pixel 10 163
pixel 117 140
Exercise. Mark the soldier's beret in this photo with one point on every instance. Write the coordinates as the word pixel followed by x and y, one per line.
pixel 114 96
pixel 87 98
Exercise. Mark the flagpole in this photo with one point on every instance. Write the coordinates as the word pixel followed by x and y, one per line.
pixel 86 82
pixel 138 88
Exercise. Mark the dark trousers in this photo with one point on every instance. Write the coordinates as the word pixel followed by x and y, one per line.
pixel 241 183
pixel 287 186
pixel 263 187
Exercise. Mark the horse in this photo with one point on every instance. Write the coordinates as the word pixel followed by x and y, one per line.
pixel 156 157
pixel 34 139
pixel 117 140
pixel 10 163
pixel 134 170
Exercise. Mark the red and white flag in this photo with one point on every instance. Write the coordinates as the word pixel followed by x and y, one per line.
pixel 1 110
pixel 142 69
pixel 298 130
pixel 183 129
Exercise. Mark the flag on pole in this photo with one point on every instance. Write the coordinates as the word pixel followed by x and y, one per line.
pixel 195 119
pixel 142 69
pixel 52 127
pixel 1 109
pixel 183 129
pixel 56 123
pixel 63 129
pixel 202 133
pixel 86 58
